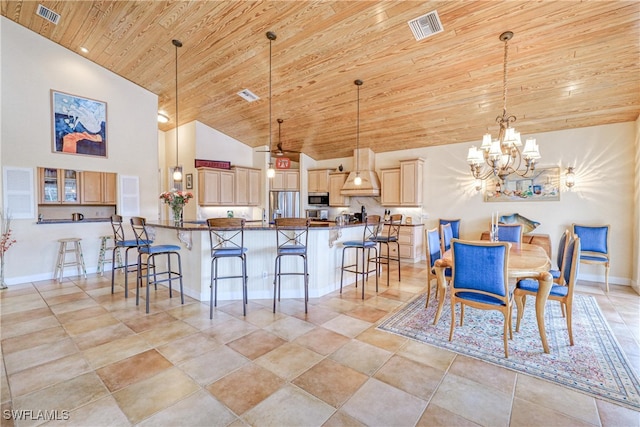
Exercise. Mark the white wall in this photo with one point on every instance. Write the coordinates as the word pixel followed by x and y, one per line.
pixel 31 67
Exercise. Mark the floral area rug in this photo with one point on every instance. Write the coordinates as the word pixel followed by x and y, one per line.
pixel 595 365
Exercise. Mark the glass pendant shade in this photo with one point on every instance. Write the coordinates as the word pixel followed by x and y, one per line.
pixel 271 172
pixel 177 174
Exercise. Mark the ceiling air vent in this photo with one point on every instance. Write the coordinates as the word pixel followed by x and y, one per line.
pixel 426 25
pixel 48 14
pixel 248 96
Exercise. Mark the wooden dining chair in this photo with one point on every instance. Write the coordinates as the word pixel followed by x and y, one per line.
pixel 562 293
pixel 455 226
pixel 480 279
pixel 510 233
pixel 432 238
pixel 562 250
pixel 595 246
pixel 446 234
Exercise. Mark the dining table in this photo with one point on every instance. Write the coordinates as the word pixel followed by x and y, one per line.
pixel 525 261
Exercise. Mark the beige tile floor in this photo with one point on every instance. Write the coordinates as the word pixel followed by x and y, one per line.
pixel 73 346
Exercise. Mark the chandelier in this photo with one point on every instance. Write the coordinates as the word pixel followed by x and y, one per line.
pixel 503 156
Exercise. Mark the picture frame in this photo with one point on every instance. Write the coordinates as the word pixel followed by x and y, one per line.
pixel 188 178
pixel 79 125
pixel 542 185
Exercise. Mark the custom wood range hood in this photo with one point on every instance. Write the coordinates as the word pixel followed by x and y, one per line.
pixel 370 186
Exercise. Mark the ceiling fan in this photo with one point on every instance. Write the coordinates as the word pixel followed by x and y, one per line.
pixel 279 151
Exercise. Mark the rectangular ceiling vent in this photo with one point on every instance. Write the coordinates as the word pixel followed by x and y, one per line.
pixel 48 14
pixel 426 25
pixel 248 96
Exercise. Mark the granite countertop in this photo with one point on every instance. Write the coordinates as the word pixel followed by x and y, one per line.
pixel 249 225
pixel 68 221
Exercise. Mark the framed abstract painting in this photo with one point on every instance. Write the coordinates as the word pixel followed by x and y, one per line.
pixel 79 125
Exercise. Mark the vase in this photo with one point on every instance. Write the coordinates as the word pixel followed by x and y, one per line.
pixel 177 213
pixel 2 284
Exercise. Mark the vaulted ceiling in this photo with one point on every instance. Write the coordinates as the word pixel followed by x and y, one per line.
pixel 570 64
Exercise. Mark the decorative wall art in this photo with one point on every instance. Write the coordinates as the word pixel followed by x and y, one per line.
pixel 79 125
pixel 542 185
pixel 189 181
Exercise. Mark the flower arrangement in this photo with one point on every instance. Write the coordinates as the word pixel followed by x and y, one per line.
pixel 177 200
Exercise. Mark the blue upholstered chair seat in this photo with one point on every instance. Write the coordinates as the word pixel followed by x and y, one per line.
pixel 158 249
pixel 224 252
pixel 360 244
pixel 485 299
pixel 292 249
pixel 131 243
pixel 531 285
pixel 385 239
pixel 593 258
pixel 555 273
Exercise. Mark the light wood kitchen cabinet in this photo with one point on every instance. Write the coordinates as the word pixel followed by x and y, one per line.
pixel 247 186
pixel 286 180
pixel 215 187
pixel 98 188
pixel 59 186
pixel 336 181
pixel 411 179
pixel 390 182
pixel 403 186
pixel 411 243
pixel 318 180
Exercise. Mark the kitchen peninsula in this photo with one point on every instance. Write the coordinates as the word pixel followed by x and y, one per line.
pixel 324 255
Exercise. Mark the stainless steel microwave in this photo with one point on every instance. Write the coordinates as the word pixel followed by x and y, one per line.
pixel 318 199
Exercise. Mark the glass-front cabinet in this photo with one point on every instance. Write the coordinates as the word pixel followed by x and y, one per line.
pixel 59 186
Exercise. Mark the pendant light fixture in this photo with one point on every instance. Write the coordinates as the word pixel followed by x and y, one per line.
pixel 177 171
pixel 358 180
pixel 271 172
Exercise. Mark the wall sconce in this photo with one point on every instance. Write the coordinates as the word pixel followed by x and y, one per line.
pixel 570 177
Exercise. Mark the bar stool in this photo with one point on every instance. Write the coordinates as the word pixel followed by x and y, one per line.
pixel 292 237
pixel 146 248
pixel 371 230
pixel 227 241
pixel 62 262
pixel 391 237
pixel 121 242
pixel 102 257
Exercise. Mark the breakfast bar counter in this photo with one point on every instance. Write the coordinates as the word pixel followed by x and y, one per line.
pixel 324 255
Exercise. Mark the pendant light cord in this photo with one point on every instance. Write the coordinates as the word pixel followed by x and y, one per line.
pixel 177 44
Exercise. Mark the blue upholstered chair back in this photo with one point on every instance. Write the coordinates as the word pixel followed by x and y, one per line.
pixel 480 266
pixel 433 246
pixel 455 226
pixel 593 239
pixel 561 248
pixel 510 233
pixel 572 264
pixel 446 234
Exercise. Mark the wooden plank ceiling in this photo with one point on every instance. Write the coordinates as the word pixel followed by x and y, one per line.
pixel 571 64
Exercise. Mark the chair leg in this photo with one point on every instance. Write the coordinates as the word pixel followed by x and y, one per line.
pixel 453 319
pixel 180 274
pixel 375 249
pixel 212 284
pixel 150 259
pixel 275 278
pixel 428 291
pixel 521 300
pixel 569 323
pixel 342 269
pixel 505 334
pixel 398 247
pixel 363 273
pixel 606 276
pixel 245 300
pixel 138 279
pixel 306 283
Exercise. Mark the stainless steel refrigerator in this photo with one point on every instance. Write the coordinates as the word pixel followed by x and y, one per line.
pixel 284 204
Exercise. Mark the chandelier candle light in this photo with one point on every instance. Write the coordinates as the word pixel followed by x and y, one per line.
pixel 503 156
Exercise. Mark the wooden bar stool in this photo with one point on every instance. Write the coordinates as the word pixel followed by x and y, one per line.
pixel 391 237
pixel 292 238
pixel 227 242
pixel 371 230
pixel 102 257
pixel 62 262
pixel 146 249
